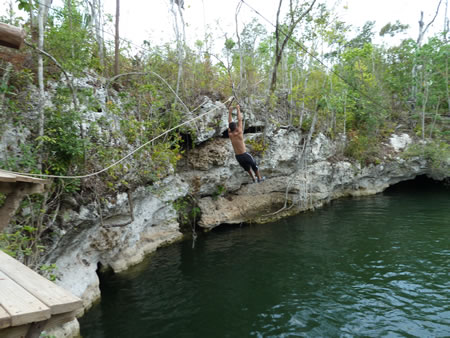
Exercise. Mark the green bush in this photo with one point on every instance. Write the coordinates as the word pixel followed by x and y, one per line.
pixel 362 148
pixel 437 153
pixel 62 141
pixel 188 212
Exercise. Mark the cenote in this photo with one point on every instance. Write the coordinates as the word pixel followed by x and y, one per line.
pixel 372 266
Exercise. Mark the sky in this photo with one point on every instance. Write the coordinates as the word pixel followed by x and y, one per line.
pixel 152 21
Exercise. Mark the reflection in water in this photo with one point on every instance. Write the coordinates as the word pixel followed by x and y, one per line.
pixel 374 266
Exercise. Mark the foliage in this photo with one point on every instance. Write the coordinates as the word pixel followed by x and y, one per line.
pixel 45 335
pixel 188 212
pixel 2 199
pixel 393 29
pixel 49 271
pixel 258 145
pixel 219 192
pixel 437 153
pixel 62 141
pixel 24 4
pixel 25 159
pixel 69 40
pixel 363 149
pixel 19 243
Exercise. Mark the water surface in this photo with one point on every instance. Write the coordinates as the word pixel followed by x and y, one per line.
pixel 372 266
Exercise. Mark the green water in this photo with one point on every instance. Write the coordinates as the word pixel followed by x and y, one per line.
pixel 376 266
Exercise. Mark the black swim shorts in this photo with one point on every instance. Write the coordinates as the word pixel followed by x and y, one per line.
pixel 246 161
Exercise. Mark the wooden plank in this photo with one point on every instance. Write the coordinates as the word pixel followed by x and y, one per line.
pixel 22 306
pixel 29 179
pixel 15 332
pixel 6 177
pixel 5 318
pixel 9 177
pixel 59 320
pixel 35 329
pixel 23 330
pixel 55 297
pixel 11 36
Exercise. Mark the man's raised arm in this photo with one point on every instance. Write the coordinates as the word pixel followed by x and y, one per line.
pixel 230 117
pixel 239 116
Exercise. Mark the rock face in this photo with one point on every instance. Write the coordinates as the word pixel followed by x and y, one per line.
pixel 92 244
pixel 295 183
pixel 212 120
pixel 12 138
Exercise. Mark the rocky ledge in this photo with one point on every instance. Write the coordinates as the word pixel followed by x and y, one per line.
pixel 296 184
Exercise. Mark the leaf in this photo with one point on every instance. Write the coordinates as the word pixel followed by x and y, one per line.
pixel 24 5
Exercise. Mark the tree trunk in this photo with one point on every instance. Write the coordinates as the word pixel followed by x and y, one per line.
pixel 69 8
pixel 241 56
pixel 41 81
pixel 5 81
pixel 98 33
pixel 33 23
pixel 446 80
pixel 116 40
pixel 446 28
pixel 277 53
pixel 424 106
pixel 180 44
pixel 96 13
pixel 422 32
pixel 287 35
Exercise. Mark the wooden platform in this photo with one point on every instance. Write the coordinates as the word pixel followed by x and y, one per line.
pixel 29 303
pixel 9 177
pixel 16 187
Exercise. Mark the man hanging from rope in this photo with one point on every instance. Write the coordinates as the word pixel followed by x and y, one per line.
pixel 236 135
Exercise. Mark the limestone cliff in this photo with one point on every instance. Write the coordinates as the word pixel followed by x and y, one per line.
pixel 301 173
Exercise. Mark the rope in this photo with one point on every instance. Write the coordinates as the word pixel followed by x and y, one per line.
pixel 123 158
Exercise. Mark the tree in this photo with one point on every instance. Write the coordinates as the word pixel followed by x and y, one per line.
pixel 44 6
pixel 393 29
pixel 96 14
pixel 295 15
pixel 117 40
pixel 241 52
pixel 422 32
pixel 180 40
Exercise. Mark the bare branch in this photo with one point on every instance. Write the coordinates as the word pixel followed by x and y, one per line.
pixel 435 15
pixel 69 80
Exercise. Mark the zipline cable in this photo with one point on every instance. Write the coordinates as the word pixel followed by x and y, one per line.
pixel 123 158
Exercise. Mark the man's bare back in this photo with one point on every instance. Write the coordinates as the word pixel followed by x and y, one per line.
pixel 237 140
pixel 236 135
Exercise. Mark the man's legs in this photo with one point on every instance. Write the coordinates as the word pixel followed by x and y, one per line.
pixel 258 175
pixel 251 175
